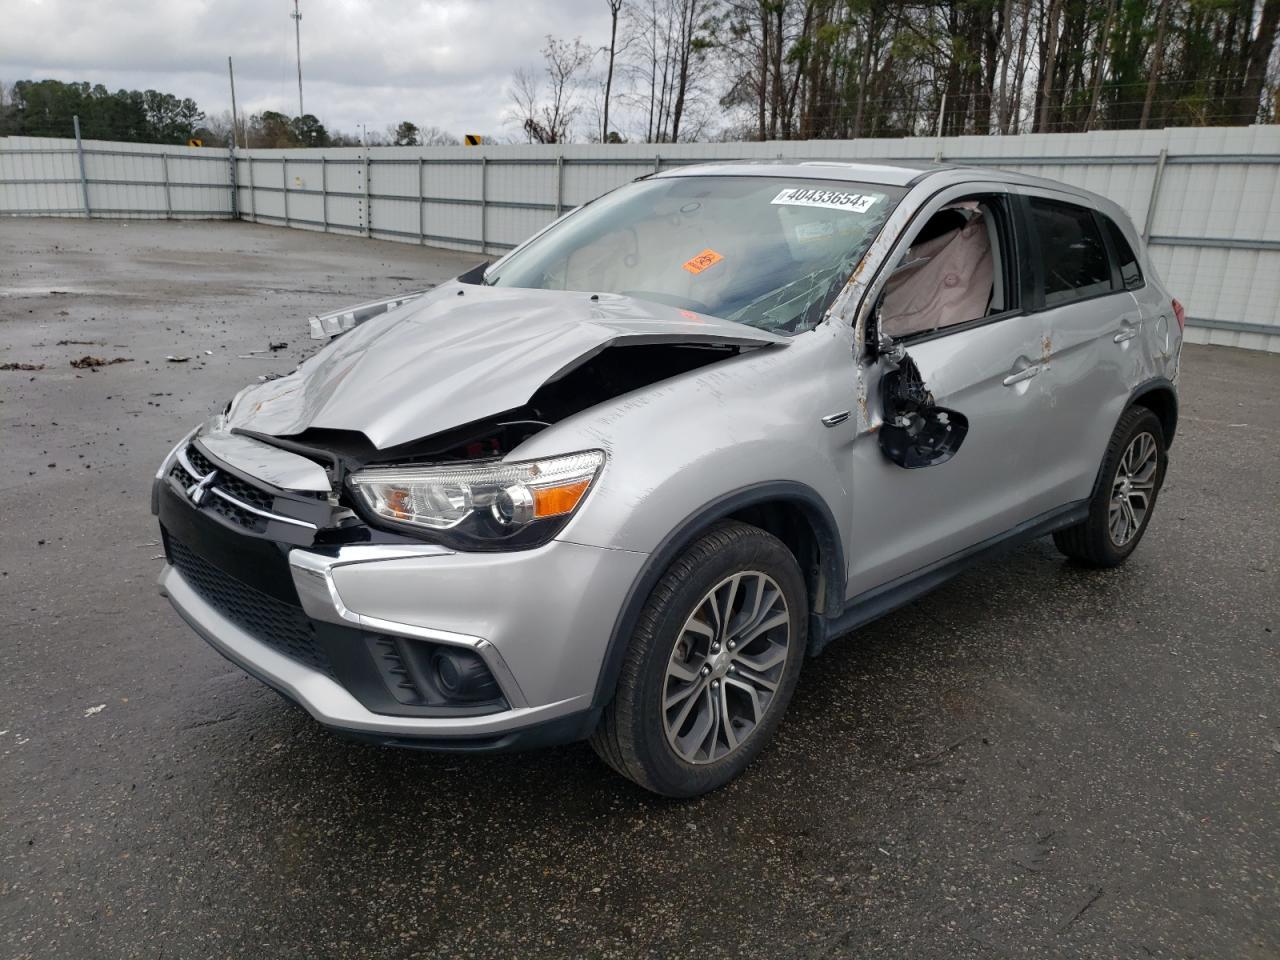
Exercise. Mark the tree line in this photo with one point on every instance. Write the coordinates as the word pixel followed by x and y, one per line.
pixel 805 69
pixel 684 70
pixel 45 108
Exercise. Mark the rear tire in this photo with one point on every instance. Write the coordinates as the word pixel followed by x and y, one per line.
pixel 711 666
pixel 1132 473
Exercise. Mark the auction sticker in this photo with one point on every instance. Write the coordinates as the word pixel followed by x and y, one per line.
pixel 828 199
pixel 707 258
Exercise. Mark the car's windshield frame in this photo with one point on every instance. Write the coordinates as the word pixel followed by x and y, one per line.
pixel 799 241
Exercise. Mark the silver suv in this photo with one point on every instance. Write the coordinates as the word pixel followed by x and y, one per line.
pixel 620 484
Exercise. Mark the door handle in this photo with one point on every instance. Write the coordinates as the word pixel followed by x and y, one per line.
pixel 1024 374
pixel 1128 330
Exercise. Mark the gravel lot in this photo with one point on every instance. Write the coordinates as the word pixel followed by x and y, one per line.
pixel 1037 760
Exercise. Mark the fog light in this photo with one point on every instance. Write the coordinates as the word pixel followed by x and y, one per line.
pixel 462 675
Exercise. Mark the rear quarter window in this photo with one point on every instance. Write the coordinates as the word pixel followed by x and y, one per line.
pixel 1073 256
pixel 1130 271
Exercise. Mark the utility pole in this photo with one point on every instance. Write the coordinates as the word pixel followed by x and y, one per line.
pixel 297 39
pixel 235 117
pixel 231 154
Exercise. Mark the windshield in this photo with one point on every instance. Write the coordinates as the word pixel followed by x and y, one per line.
pixel 770 252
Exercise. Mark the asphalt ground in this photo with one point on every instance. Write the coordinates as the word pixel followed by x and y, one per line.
pixel 1038 760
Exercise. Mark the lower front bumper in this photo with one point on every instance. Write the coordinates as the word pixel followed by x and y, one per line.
pixel 334 707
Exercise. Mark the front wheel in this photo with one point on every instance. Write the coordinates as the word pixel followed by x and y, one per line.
pixel 1132 473
pixel 711 666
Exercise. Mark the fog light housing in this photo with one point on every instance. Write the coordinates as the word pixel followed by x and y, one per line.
pixel 420 674
pixel 462 676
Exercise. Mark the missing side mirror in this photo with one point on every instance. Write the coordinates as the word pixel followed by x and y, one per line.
pixel 916 431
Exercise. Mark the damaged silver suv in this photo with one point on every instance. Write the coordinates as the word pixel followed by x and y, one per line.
pixel 622 483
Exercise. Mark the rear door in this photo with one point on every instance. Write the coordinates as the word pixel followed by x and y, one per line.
pixel 987 369
pixel 1092 328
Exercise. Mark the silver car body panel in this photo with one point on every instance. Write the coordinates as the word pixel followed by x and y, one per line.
pixel 327 701
pixel 805 416
pixel 280 468
pixel 461 353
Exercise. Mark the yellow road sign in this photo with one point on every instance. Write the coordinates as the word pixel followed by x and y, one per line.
pixel 195 142
pixel 472 139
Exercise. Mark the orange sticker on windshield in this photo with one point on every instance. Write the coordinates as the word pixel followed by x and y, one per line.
pixel 707 258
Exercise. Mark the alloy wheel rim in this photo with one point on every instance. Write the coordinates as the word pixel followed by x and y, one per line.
pixel 1132 489
pixel 725 667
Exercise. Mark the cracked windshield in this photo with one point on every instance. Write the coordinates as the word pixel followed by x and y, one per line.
pixel 769 252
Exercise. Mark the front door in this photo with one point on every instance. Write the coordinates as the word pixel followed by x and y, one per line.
pixel 954 305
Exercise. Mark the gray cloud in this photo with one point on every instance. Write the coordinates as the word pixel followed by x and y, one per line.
pixel 445 63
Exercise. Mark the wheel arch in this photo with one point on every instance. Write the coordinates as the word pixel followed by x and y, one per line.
pixel 1160 397
pixel 793 512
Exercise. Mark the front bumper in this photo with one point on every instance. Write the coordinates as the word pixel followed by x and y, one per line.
pixel 540 620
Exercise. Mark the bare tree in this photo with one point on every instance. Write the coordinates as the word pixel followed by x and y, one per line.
pixel 615 7
pixel 1259 57
pixel 433 136
pixel 1162 22
pixel 550 119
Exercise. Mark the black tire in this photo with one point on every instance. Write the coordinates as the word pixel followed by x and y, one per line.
pixel 631 737
pixel 1091 541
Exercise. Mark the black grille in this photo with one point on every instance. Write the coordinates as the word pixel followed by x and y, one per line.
pixel 198 460
pixel 394 672
pixel 240 517
pixel 245 491
pixel 282 626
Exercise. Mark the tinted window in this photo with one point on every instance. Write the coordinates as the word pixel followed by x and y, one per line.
pixel 1130 272
pixel 1071 252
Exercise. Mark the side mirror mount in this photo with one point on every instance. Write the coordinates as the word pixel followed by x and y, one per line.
pixel 475 275
pixel 916 432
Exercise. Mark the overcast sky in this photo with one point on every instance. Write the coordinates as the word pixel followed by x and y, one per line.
pixel 445 63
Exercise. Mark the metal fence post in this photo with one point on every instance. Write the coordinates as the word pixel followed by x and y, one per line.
pixel 1155 193
pixel 84 180
pixel 657 162
pixel 484 205
pixel 422 226
pixel 253 197
pixel 168 199
pixel 234 169
pixel 559 183
pixel 368 200
pixel 284 182
pixel 324 194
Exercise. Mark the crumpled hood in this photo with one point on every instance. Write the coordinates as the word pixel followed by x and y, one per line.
pixel 459 354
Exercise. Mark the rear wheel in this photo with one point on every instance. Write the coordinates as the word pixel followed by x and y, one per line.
pixel 711 666
pixel 1133 471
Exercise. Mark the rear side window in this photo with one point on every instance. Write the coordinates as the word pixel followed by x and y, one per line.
pixel 1130 272
pixel 1072 254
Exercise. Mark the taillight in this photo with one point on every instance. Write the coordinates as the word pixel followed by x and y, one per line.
pixel 1181 315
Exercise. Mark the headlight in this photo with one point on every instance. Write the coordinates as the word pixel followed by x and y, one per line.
pixel 491 505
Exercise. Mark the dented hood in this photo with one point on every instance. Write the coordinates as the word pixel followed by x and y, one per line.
pixel 462 353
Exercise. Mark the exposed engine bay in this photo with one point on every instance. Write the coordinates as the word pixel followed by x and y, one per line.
pixel 611 373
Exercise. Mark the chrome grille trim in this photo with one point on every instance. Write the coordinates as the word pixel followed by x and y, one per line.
pixel 260 513
pixel 200 478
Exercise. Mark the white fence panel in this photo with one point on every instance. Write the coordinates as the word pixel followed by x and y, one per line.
pixel 1214 228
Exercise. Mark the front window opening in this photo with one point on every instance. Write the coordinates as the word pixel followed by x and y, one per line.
pixel 769 252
